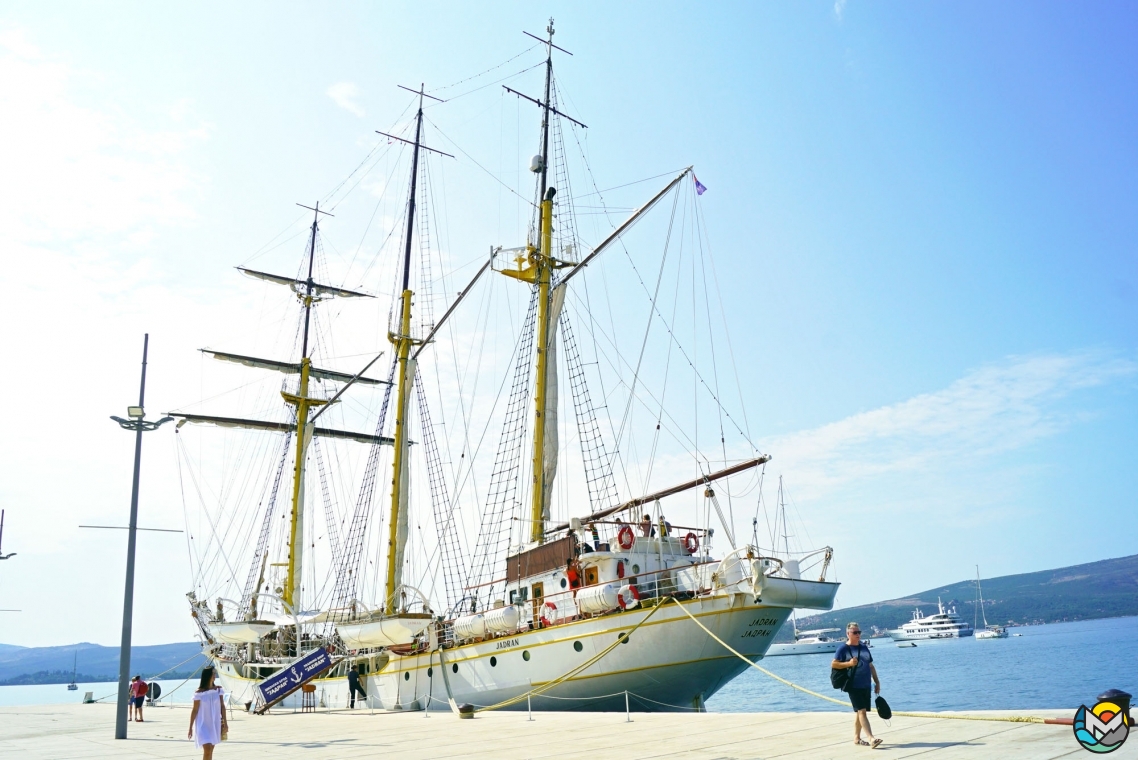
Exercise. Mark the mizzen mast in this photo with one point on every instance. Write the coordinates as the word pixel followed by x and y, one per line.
pixel 536 266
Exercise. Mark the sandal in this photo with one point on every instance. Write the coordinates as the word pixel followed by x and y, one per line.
pixel 876 743
pixel 861 743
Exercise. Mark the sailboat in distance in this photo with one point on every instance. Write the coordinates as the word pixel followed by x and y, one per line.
pixel 989 631
pixel 74 669
pixel 563 592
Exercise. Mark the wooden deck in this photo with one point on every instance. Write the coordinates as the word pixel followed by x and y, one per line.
pixel 86 731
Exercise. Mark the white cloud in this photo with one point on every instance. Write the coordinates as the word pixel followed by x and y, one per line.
pixel 344 95
pixel 994 409
pixel 839 8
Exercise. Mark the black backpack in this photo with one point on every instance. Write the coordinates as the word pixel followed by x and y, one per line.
pixel 842 678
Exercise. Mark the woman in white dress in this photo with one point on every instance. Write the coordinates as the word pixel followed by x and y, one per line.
pixel 208 716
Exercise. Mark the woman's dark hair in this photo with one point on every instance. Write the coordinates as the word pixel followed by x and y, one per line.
pixel 207 679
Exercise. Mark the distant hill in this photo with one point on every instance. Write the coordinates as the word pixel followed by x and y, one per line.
pixel 95 662
pixel 1108 588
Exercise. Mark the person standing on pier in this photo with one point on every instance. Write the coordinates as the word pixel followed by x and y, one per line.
pixel 208 716
pixel 138 689
pixel 854 654
pixel 354 686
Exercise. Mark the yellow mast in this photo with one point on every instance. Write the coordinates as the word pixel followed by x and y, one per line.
pixel 303 405
pixel 537 267
pixel 542 274
pixel 402 341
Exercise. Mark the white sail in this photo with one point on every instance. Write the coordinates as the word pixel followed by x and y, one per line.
pixel 549 456
pixel 404 485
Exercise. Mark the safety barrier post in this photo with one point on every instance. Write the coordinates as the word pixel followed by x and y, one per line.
pixel 529 708
pixel 627 716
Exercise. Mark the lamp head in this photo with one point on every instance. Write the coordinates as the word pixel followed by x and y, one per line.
pixel 135 412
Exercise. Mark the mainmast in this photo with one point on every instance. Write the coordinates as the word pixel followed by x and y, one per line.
pixel 405 373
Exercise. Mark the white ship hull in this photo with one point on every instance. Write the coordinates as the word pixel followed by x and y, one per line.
pixel 669 663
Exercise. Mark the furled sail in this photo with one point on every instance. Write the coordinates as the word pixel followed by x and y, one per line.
pixel 290 368
pixel 549 414
pixel 401 528
pixel 281 427
pixel 301 286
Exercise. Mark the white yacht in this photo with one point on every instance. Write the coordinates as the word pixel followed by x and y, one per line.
pixel 809 642
pixel 945 624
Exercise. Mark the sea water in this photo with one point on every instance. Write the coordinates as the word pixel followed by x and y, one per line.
pixel 1062 665
pixel 173 692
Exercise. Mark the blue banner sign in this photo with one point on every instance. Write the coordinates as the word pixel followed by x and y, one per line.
pixel 287 680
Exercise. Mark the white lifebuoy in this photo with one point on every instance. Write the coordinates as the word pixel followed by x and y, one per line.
pixel 628 597
pixel 625 537
pixel 548 613
pixel 691 543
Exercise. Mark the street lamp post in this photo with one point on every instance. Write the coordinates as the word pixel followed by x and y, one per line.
pixel 138 424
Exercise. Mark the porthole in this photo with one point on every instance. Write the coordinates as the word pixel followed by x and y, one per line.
pixel 430 672
pixel 406 676
pixel 525 655
pixel 454 668
pixel 635 569
pixel 564 583
pixel 493 662
pixel 623 638
pixel 577 646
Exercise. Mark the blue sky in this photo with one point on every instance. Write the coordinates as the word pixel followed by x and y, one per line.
pixel 924 217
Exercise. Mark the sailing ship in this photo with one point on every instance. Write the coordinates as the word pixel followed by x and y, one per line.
pixel 613 604
pixel 74 669
pixel 989 631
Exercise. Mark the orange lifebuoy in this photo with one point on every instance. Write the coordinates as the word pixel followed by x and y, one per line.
pixel 691 543
pixel 633 592
pixel 545 610
pixel 625 538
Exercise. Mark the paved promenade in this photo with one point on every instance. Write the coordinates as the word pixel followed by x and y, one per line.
pixel 85 731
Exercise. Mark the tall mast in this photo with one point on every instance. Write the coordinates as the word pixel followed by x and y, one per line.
pixel 542 271
pixel 536 267
pixel 303 405
pixel 402 342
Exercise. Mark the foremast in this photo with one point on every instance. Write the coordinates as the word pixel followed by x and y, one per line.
pixel 303 404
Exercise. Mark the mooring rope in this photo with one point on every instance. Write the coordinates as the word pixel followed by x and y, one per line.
pixel 623 637
pixel 1000 718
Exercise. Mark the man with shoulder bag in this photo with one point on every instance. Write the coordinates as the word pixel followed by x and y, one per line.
pixel 852 671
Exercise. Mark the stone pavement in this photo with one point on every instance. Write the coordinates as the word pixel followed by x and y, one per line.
pixel 86 731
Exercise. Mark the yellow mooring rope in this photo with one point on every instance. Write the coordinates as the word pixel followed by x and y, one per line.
pixel 1005 719
pixel 550 684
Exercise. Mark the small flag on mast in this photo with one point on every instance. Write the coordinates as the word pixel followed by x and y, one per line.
pixel 699 186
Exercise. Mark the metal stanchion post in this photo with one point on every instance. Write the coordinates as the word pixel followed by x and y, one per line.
pixel 627 715
pixel 529 708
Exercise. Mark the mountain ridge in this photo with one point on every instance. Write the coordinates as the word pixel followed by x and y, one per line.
pixel 1101 589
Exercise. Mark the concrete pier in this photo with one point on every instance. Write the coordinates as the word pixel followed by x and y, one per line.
pixel 87 731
